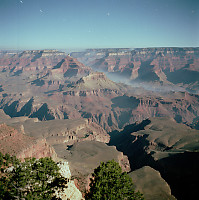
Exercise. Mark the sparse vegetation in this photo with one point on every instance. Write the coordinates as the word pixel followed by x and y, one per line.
pixel 108 182
pixel 32 179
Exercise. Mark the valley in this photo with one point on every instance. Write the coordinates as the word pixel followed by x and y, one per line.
pixel 137 106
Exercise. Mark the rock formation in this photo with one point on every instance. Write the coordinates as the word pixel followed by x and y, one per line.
pixel 53 101
pixel 79 141
pixel 70 67
pixel 31 60
pixel 23 146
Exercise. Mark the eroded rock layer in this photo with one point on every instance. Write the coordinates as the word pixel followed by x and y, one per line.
pixel 52 85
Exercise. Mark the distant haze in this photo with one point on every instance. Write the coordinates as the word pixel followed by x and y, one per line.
pixel 42 24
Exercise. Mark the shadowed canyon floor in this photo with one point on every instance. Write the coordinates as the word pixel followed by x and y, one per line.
pixel 169 147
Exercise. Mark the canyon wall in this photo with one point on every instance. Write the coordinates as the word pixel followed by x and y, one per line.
pixel 42 89
pixel 166 66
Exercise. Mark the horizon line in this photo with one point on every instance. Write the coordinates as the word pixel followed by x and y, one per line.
pixel 40 49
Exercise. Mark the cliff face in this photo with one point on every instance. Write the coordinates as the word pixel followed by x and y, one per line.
pixel 56 132
pixel 112 110
pixel 160 58
pixel 70 67
pixel 31 60
pixel 40 149
pixel 102 102
pixel 66 131
pixel 47 69
pixel 23 146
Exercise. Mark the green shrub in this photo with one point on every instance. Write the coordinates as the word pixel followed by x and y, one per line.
pixel 31 179
pixel 108 182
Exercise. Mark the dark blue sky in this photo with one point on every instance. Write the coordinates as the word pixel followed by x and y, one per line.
pixel 63 24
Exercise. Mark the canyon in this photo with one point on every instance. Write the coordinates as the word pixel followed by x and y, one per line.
pixel 67 89
pixel 143 103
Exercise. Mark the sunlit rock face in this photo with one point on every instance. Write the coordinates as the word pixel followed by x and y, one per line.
pixel 71 192
pixel 30 61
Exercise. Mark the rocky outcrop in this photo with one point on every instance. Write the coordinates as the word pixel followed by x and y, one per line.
pixel 150 183
pixel 71 192
pixel 96 81
pixel 71 67
pixel 39 149
pixel 66 131
pixel 84 157
pixel 23 146
pixel 16 143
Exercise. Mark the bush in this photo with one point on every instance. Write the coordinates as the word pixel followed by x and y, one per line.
pixel 108 182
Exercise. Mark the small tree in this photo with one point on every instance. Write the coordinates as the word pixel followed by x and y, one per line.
pixel 33 179
pixel 108 182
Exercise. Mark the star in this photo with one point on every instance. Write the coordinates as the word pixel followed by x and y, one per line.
pixel 41 11
pixel 21 1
